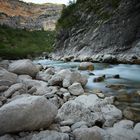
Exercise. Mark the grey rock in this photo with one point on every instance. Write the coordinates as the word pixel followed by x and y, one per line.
pixel 87 134
pixel 86 66
pixel 137 128
pixel 4 64
pixel 76 89
pixel 23 67
pixel 65 129
pixel 33 113
pixel 6 137
pixel 76 111
pixel 67 123
pixel 78 125
pixel 50 135
pixel 7 78
pixel 3 88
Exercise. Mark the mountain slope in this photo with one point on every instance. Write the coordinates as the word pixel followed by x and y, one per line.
pixel 18 14
pixel 100 30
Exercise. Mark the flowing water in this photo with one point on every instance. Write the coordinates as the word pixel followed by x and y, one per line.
pixel 129 74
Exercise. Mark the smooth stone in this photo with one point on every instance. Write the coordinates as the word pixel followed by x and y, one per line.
pixel 24 66
pixel 6 137
pixel 26 114
pixel 137 128
pixel 3 88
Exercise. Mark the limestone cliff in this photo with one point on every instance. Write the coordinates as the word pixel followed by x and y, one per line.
pixel 100 29
pixel 18 14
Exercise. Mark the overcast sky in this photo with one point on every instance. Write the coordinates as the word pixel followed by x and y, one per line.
pixel 48 1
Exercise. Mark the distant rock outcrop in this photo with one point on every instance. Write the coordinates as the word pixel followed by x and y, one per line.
pixel 18 14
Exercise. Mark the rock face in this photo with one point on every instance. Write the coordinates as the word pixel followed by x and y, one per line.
pixel 26 114
pixel 102 28
pixel 18 14
pixel 23 67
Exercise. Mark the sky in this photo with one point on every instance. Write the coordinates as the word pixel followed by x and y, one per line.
pixel 48 1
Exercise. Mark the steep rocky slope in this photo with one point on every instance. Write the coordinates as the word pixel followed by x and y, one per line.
pixel 18 14
pixel 100 30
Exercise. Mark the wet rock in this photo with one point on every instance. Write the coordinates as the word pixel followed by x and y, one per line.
pixel 86 66
pixel 7 78
pixel 23 67
pixel 132 113
pixel 33 113
pixel 87 134
pixel 99 79
pixel 76 89
pixel 117 76
pixel 116 86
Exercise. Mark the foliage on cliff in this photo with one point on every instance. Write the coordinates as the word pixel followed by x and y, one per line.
pixel 17 43
pixel 72 14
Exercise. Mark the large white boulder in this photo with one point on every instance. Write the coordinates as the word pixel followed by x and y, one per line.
pixel 25 66
pixel 7 78
pixel 76 111
pixel 26 114
pixel 86 66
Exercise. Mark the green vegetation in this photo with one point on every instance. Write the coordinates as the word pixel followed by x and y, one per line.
pixel 17 43
pixel 71 15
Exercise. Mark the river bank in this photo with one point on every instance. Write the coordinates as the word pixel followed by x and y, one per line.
pixel 45 102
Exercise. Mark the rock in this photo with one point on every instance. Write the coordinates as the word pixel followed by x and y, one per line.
pixel 117 76
pixel 65 129
pixel 101 95
pixel 67 123
pixel 4 64
pixel 6 137
pixel 54 127
pixel 116 86
pixel 121 133
pixel 34 112
pixel 41 86
pixel 1 103
pixel 70 77
pixel 110 114
pixel 132 113
pixel 50 71
pixel 66 96
pixel 3 88
pixel 13 89
pixel 78 125
pixel 77 111
pixel 87 134
pixel 43 76
pixel 23 67
pixel 76 89
pixel 7 78
pixel 56 80
pixel 32 90
pixel 87 100
pixel 99 79
pixel 109 59
pixel 50 135
pixel 126 124
pixel 137 128
pixel 86 66
pixel 39 67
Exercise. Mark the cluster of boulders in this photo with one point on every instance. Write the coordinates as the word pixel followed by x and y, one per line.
pixel 104 58
pixel 52 104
